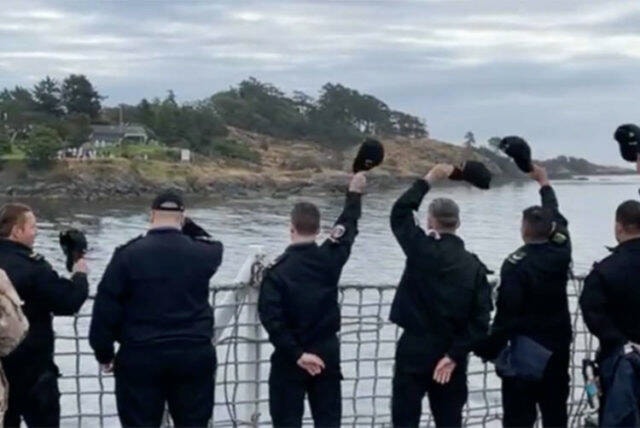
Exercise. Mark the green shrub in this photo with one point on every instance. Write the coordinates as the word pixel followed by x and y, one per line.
pixel 235 150
pixel 42 145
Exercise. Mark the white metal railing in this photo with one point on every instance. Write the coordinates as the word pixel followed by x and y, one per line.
pixel 368 345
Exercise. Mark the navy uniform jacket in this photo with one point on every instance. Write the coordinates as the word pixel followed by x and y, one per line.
pixel 610 299
pixel 155 290
pixel 44 294
pixel 298 302
pixel 532 298
pixel 443 301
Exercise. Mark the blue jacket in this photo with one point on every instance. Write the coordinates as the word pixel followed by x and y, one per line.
pixel 620 374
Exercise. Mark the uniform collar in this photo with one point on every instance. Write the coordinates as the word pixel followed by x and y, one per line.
pixel 452 237
pixel 165 229
pixel 7 243
pixel 302 246
pixel 631 244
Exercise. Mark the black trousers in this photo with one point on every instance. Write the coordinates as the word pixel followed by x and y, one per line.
pixel 520 397
pixel 446 401
pixel 288 386
pixel 180 376
pixel 33 396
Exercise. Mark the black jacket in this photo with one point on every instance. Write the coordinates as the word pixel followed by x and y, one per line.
pixel 298 302
pixel 610 300
pixel 45 294
pixel 532 297
pixel 155 290
pixel 443 299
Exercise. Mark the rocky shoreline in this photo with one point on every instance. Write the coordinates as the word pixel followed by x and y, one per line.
pixel 249 186
pixel 283 168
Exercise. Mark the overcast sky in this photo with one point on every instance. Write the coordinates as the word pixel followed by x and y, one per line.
pixel 563 74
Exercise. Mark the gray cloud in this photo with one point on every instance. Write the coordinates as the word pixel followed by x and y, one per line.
pixel 563 74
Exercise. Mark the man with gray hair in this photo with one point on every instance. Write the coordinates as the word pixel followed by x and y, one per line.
pixel 443 304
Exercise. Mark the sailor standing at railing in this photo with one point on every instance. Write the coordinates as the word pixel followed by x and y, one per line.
pixel 531 332
pixel 298 307
pixel 154 300
pixel 610 303
pixel 32 374
pixel 443 304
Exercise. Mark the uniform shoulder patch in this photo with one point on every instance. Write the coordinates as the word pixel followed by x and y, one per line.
pixel 559 238
pixel 517 257
pixel 337 232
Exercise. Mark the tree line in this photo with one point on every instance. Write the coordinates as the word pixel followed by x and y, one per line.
pixel 62 113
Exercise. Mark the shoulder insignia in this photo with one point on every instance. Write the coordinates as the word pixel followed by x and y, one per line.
pixel 337 232
pixel 123 246
pixel 277 261
pixel 516 257
pixel 559 238
pixel 206 239
pixel 36 256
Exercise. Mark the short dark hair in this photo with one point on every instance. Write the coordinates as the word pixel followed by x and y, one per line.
pixel 305 218
pixel 446 212
pixel 628 215
pixel 538 222
pixel 12 214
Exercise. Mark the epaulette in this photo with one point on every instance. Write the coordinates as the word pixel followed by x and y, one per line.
pixel 337 232
pixel 125 245
pixel 205 239
pixel 36 256
pixel 277 261
pixel 516 257
pixel 559 238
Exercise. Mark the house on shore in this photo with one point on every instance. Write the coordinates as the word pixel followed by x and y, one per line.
pixel 114 135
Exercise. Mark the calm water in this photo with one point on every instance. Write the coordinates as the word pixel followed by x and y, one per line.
pixel 490 224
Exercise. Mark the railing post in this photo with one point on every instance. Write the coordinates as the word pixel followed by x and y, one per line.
pixel 249 330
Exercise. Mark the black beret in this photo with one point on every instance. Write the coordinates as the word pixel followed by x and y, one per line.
pixel 168 200
pixel 473 172
pixel 74 245
pixel 370 155
pixel 628 137
pixel 518 149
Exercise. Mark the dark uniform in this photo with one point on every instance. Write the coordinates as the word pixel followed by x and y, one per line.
pixel 443 304
pixel 30 369
pixel 153 300
pixel 532 302
pixel 610 301
pixel 298 307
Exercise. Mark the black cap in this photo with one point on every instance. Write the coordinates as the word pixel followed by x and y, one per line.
pixel 74 245
pixel 370 155
pixel 628 137
pixel 168 200
pixel 518 149
pixel 473 172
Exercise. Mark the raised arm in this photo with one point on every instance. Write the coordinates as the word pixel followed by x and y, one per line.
pixel 345 229
pixel 403 223
pixel 62 296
